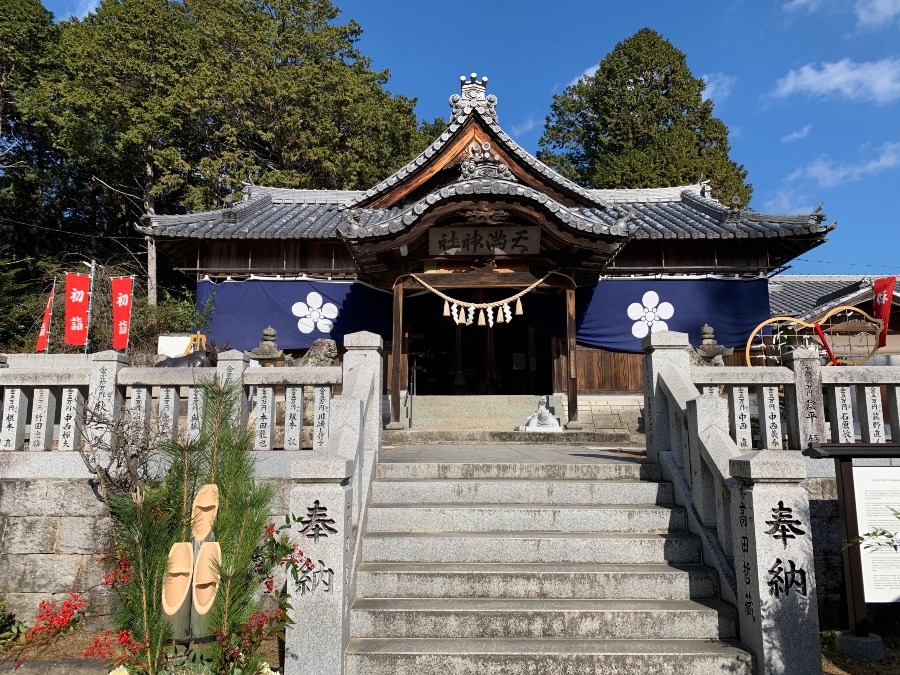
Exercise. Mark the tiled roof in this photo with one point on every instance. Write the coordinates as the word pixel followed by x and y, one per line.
pixel 809 295
pixel 309 214
pixel 683 212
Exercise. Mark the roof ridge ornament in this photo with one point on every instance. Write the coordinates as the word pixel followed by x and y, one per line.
pixel 482 163
pixel 472 97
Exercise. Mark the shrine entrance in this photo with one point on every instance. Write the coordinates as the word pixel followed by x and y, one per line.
pixel 448 358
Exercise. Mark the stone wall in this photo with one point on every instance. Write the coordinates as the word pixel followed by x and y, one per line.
pixel 54 532
pixel 823 512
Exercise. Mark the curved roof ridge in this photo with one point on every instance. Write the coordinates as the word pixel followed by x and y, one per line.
pixel 362 222
pixel 302 195
pixel 644 195
pixel 463 108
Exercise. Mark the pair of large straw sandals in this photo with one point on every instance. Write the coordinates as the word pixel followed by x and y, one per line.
pixel 192 577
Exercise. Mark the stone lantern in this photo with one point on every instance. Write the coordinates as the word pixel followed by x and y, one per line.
pixel 267 352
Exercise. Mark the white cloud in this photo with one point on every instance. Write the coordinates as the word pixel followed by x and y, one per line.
pixel 587 72
pixel 788 202
pixel 828 173
pixel 806 5
pixel 797 135
pixel 870 14
pixel 524 126
pixel 874 14
pixel 718 86
pixel 877 81
pixel 85 7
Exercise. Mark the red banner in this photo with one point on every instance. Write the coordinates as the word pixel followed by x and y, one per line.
pixel 882 297
pixel 121 310
pixel 78 297
pixel 44 336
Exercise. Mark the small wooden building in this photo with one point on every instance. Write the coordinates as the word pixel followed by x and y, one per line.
pixel 476 220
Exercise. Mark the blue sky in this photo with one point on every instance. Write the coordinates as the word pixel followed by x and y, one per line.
pixel 810 89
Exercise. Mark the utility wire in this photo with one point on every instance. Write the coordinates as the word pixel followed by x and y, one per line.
pixel 74 234
pixel 835 262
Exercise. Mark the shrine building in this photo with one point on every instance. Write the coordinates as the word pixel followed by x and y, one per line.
pixel 485 270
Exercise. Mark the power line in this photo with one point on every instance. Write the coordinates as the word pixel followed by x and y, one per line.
pixel 74 234
pixel 834 262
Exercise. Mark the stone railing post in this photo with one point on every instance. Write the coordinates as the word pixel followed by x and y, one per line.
pixel 708 410
pixel 315 643
pixel 43 415
pixel 805 405
pixel 230 368
pixel 105 400
pixel 364 359
pixel 773 559
pixel 664 350
pixel 15 409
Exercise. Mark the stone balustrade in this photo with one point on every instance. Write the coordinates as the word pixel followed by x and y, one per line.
pixel 729 439
pixel 81 402
pixel 54 527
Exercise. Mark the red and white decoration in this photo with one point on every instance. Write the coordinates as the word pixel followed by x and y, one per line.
pixel 882 296
pixel 44 336
pixel 78 298
pixel 122 295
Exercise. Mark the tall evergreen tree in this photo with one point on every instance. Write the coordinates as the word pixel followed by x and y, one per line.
pixel 27 36
pixel 170 105
pixel 641 121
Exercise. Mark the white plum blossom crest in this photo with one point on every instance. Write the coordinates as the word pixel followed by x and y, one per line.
pixel 314 314
pixel 649 315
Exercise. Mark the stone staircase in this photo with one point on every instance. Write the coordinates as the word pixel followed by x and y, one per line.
pixel 537 559
pixel 481 413
pixel 606 420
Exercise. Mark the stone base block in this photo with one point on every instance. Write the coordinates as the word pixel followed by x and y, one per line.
pixel 869 648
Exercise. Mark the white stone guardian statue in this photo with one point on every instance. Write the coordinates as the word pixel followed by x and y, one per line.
pixel 543 419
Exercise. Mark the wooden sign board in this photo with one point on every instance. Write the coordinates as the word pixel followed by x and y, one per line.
pixel 484 241
pixel 877 488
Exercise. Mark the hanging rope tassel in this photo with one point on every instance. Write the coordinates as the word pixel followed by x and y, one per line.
pixel 446 308
pixel 461 317
pixel 499 315
pixel 519 307
pixel 481 321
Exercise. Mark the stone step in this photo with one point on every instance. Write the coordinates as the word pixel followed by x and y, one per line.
pixel 520 492
pixel 462 434
pixel 504 618
pixel 620 468
pixel 545 656
pixel 534 547
pixel 530 580
pixel 494 517
pixel 492 412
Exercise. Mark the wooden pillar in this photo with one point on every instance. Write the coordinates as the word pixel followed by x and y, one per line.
pixel 396 352
pixel 571 371
pixel 151 271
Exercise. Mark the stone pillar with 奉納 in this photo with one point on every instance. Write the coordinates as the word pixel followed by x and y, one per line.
pixel 320 598
pixel 773 559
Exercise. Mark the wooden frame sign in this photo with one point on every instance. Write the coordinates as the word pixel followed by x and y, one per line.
pixel 877 488
pixel 524 240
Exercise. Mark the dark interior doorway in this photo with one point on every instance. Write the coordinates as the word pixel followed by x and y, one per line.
pixel 446 358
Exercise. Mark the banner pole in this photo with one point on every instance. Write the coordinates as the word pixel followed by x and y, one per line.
pixel 87 328
pixel 50 318
pixel 130 314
